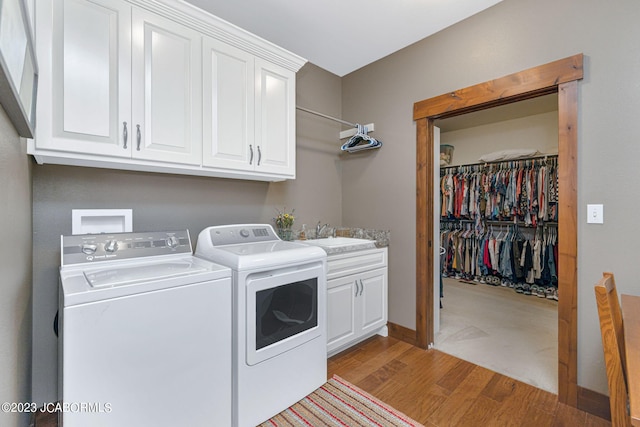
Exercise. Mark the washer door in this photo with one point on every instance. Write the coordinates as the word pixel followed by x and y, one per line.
pixel 285 309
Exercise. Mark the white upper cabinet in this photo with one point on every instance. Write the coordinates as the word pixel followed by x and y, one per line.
pixel 167 90
pixel 228 106
pixel 84 96
pixel 275 119
pixel 249 112
pixel 161 86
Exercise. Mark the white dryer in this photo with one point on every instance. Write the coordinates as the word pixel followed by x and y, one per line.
pixel 145 332
pixel 279 322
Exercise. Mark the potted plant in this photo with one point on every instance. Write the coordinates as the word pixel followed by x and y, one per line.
pixel 284 221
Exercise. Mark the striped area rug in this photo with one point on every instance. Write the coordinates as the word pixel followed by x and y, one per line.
pixel 340 403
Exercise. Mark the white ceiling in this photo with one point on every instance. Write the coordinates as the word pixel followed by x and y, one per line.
pixel 343 35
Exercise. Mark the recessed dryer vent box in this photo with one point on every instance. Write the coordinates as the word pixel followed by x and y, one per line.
pixel 96 221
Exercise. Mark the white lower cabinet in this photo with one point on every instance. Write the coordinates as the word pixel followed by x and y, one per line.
pixel 357 301
pixel 341 315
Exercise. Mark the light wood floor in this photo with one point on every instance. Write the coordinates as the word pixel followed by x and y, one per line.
pixel 437 389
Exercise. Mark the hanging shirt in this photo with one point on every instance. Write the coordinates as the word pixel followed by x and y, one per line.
pixel 517 254
pixel 450 199
pixel 537 259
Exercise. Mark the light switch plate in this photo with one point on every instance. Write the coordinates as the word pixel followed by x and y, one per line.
pixel 595 214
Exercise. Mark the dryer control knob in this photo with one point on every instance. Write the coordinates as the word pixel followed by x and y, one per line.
pixel 244 232
pixel 89 248
pixel 111 246
pixel 172 241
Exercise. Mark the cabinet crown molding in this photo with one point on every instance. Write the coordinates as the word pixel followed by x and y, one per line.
pixel 213 26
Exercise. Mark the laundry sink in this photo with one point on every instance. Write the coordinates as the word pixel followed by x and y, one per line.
pixel 341 244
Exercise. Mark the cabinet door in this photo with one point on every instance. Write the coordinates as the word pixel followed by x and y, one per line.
pixel 275 119
pixel 85 80
pixel 228 106
pixel 341 320
pixel 166 90
pixel 372 300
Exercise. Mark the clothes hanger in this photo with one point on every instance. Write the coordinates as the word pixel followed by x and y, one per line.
pixel 360 141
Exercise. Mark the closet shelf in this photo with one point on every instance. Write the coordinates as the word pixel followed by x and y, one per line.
pixel 511 162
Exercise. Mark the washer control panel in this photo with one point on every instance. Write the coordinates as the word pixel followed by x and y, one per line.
pixel 91 248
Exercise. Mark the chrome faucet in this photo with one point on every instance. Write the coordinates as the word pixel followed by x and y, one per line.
pixel 320 229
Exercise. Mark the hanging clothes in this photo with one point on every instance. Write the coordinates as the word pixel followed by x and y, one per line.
pixel 523 192
pixel 522 259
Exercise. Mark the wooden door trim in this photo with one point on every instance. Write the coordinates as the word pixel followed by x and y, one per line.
pixel 555 77
pixel 531 83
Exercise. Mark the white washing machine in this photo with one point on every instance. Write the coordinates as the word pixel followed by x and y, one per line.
pixel 144 332
pixel 279 321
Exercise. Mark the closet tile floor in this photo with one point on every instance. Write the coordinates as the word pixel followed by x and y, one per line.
pixel 499 329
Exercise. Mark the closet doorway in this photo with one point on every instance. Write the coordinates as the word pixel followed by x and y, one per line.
pixel 559 77
pixel 495 312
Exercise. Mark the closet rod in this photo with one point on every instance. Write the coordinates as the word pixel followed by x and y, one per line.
pixel 543 156
pixel 505 222
pixel 326 116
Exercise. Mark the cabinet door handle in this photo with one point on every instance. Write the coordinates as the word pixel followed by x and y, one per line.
pixel 357 289
pixel 125 135
pixel 259 155
pixel 139 137
pixel 250 154
pixel 361 287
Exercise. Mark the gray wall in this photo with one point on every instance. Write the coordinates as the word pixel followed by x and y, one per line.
pixel 161 201
pixel 379 187
pixel 15 264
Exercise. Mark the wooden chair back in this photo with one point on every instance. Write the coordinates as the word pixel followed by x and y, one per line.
pixel 612 331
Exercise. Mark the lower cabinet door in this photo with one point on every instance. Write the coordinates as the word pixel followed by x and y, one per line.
pixel 356 307
pixel 341 321
pixel 372 300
